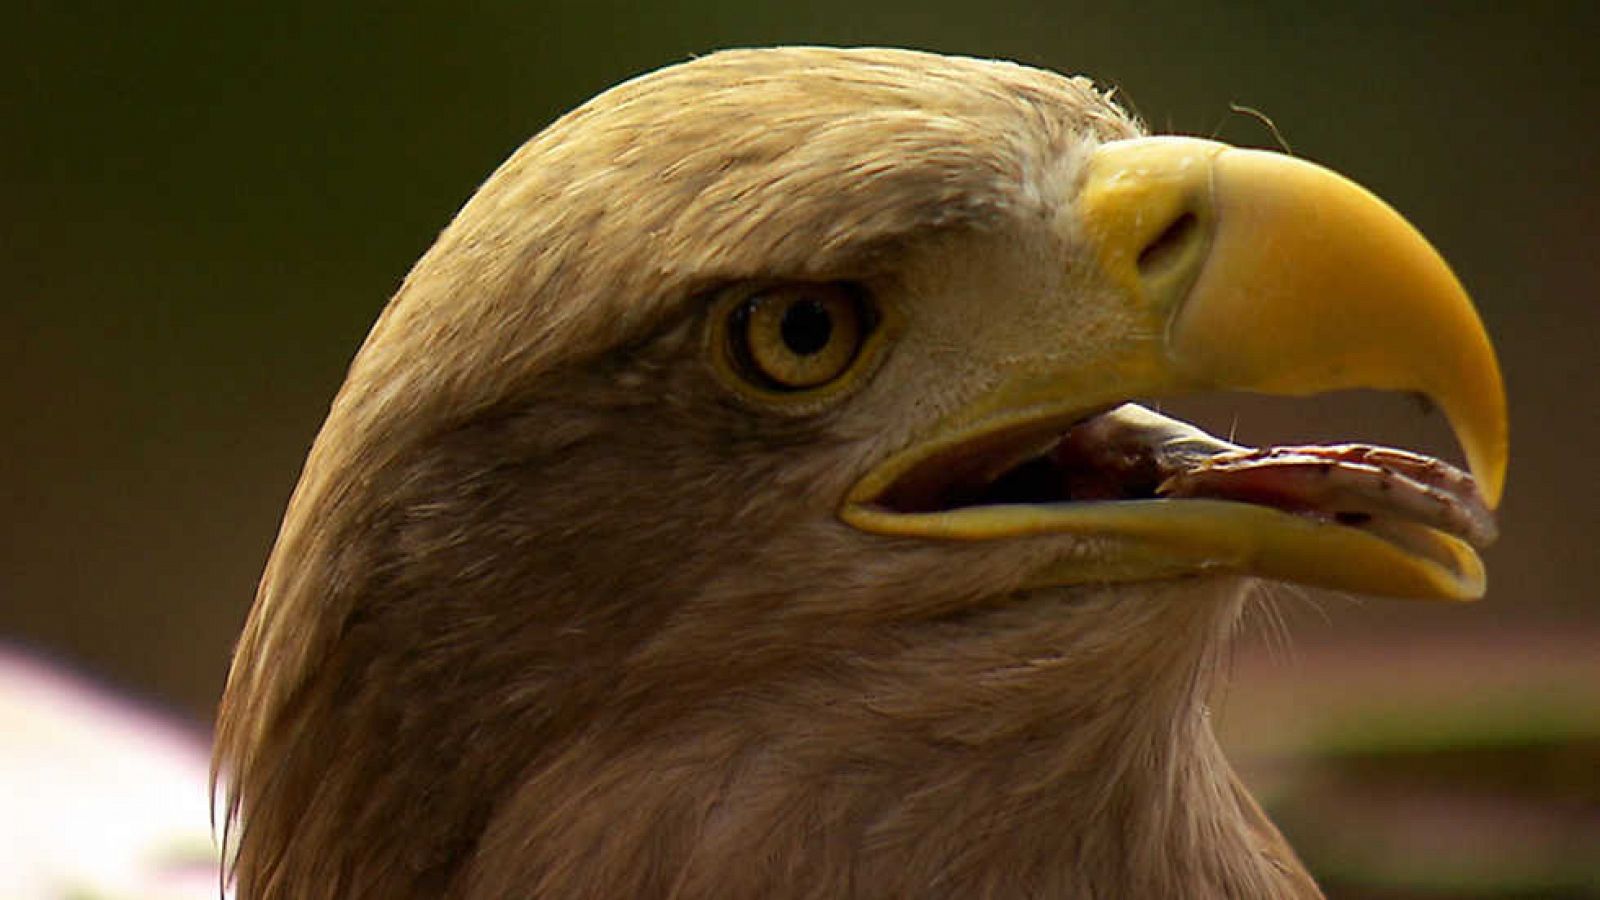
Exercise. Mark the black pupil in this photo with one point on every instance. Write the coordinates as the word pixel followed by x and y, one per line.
pixel 806 327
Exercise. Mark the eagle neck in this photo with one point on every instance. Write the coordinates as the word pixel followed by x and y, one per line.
pixel 1060 747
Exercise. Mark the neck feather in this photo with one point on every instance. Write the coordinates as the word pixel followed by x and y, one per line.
pixel 989 757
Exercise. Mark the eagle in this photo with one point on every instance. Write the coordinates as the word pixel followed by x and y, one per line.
pixel 744 497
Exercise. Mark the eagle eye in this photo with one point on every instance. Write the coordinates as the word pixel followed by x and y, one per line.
pixel 792 338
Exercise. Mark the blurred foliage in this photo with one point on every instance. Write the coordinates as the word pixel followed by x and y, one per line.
pixel 207 205
pixel 1516 817
pixel 1441 765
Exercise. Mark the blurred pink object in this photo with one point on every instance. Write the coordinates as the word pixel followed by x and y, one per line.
pixel 100 797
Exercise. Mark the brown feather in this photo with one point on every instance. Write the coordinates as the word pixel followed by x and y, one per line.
pixel 551 615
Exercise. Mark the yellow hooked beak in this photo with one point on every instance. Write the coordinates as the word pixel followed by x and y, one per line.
pixel 1260 273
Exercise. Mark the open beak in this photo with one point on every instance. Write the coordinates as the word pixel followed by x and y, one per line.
pixel 1258 272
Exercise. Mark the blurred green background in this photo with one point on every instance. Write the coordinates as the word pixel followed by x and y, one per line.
pixel 205 207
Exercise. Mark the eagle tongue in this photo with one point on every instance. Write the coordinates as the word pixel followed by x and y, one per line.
pixel 1132 452
pixel 1128 453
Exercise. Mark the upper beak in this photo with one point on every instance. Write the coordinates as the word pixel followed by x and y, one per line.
pixel 1262 273
pixel 1270 274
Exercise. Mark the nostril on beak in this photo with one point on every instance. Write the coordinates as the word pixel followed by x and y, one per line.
pixel 1168 248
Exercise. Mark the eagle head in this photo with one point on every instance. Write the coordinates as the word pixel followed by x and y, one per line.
pixel 742 499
